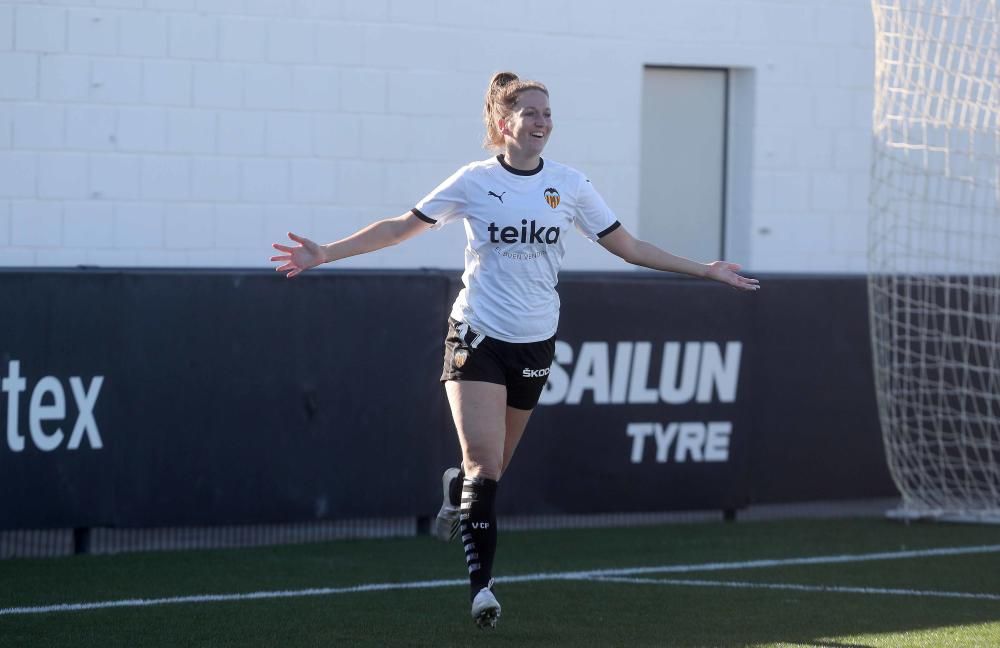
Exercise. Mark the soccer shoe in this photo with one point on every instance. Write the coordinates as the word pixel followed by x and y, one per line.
pixel 445 526
pixel 486 608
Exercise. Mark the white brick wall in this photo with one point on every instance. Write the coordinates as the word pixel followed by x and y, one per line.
pixel 91 128
pixel 6 28
pixel 39 126
pixel 6 125
pixel 18 175
pixel 243 39
pixel 191 131
pixel 19 71
pixel 195 132
pixel 138 226
pixel 93 31
pixel 218 85
pixel 62 79
pixel 142 129
pixel 166 83
pixel 215 179
pixel 116 81
pixel 242 133
pixel 165 179
pixel 190 226
pixel 36 224
pixel 4 223
pixel 40 29
pixel 114 177
pixel 88 225
pixel 193 36
pixel 62 176
pixel 143 34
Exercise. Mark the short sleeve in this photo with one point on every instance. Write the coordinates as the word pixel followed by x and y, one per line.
pixel 593 216
pixel 446 203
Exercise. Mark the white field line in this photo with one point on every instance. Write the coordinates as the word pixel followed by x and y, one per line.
pixel 524 578
pixel 839 589
pixel 757 564
pixel 222 598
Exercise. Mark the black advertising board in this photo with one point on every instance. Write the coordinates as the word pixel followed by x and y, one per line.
pixel 173 398
pixel 218 397
pixel 814 393
pixel 647 404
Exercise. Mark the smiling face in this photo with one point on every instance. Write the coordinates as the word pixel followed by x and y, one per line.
pixel 527 128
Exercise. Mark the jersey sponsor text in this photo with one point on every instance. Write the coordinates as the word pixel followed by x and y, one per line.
pixel 509 234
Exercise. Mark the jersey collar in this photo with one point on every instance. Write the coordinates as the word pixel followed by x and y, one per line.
pixel 519 172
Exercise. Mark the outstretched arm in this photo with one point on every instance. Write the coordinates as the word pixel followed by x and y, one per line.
pixel 638 252
pixel 309 254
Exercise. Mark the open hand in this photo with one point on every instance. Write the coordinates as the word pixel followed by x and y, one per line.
pixel 307 254
pixel 725 272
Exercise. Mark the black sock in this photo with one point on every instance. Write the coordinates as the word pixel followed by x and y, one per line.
pixel 455 488
pixel 479 530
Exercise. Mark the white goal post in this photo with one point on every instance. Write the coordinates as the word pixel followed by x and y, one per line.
pixel 934 253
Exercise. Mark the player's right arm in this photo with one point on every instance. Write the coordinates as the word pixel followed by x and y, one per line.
pixel 380 234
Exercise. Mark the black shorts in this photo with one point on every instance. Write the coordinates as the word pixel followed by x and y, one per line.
pixel 522 368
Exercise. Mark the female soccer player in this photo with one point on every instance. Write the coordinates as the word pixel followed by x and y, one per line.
pixel 517 209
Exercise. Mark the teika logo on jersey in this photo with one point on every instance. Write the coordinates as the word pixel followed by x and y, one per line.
pixel 47 404
pixel 528 233
pixel 689 373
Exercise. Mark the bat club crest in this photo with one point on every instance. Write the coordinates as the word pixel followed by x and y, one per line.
pixel 552 197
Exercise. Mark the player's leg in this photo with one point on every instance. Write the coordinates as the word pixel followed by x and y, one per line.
pixel 459 357
pixel 527 371
pixel 446 524
pixel 468 357
pixel 516 422
pixel 479 412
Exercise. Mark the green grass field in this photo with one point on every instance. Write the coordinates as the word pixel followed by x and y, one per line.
pixel 705 592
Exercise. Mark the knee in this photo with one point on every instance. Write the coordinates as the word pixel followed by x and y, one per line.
pixel 482 470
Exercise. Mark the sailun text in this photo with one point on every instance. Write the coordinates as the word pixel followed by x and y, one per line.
pixel 624 373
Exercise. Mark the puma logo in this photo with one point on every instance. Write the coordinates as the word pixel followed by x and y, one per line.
pixel 498 197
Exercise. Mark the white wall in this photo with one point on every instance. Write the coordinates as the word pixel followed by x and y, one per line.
pixel 196 132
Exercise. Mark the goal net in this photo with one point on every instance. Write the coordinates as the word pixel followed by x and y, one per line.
pixel 934 253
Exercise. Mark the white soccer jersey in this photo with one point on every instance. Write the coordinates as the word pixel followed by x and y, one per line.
pixel 515 223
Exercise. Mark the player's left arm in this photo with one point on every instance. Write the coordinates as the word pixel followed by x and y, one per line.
pixel 642 253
